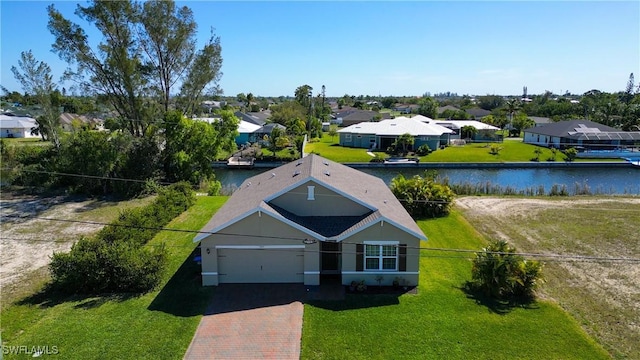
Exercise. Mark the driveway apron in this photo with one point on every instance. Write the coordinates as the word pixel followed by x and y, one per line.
pixel 251 321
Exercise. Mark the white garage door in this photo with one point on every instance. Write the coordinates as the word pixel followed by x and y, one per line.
pixel 265 264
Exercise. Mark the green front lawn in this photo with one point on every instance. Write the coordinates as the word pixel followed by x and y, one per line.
pixel 441 321
pixel 328 147
pixel 156 325
pixel 511 151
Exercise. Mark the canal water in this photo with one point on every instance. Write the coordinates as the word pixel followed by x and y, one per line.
pixel 616 180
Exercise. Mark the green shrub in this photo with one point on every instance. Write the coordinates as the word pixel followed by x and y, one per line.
pixel 423 150
pixel 94 266
pixel 495 149
pixel 500 273
pixel 378 158
pixel 115 259
pixel 570 154
pixel 423 196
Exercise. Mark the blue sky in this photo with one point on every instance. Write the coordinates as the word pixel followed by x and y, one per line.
pixel 388 48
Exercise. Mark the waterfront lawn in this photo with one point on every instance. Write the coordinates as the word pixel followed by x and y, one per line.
pixel 511 150
pixel 156 325
pixel 441 321
pixel 328 147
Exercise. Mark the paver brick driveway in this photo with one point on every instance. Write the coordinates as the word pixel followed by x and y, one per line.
pixel 251 321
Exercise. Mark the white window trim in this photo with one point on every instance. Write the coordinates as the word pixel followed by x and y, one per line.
pixel 347 137
pixel 380 257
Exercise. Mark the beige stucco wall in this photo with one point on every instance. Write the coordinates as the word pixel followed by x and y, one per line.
pixel 258 229
pixel 382 231
pixel 326 203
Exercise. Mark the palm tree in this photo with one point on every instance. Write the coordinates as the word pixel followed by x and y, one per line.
pixel 249 99
pixel 512 106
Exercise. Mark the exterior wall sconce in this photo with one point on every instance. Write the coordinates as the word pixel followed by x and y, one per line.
pixel 208 251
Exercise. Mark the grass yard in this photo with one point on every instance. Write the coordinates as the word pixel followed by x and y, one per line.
pixel 441 322
pixel 603 296
pixel 156 325
pixel 512 150
pixel 25 141
pixel 328 147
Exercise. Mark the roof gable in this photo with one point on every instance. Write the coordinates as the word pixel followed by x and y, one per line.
pixel 255 193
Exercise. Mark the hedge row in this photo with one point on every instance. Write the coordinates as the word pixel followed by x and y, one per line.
pixel 115 260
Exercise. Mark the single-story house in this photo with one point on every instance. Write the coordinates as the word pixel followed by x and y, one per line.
pixel 266 129
pixel 405 108
pixel 580 133
pixel 485 131
pixel 309 219
pixel 258 118
pixel 17 126
pixel 477 113
pixel 69 121
pixel 245 129
pixel 380 135
pixel 539 120
pixel 212 104
pixel 355 116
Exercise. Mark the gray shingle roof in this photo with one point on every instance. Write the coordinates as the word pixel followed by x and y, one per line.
pixel 255 193
pixel 570 128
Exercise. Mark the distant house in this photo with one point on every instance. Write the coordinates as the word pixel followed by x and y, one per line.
pixel 245 129
pixel 69 121
pixel 17 126
pixel 485 132
pixel 355 116
pixel 580 133
pixel 211 105
pixel 539 121
pixel 308 221
pixel 259 134
pixel 442 109
pixel 477 113
pixel 380 135
pixel 258 118
pixel 405 108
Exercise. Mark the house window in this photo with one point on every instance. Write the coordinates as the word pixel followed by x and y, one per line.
pixel 381 255
pixel 347 137
pixel 311 193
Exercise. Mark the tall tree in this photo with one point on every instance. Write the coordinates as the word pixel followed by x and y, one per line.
pixel 511 107
pixel 145 50
pixel 627 95
pixel 303 95
pixel 249 100
pixel 36 80
pixel 169 44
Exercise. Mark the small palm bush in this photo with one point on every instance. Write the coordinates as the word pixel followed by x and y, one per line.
pixel 501 273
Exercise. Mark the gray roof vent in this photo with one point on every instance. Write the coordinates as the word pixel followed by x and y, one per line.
pixel 299 163
pixel 327 173
pixel 273 175
pixel 326 163
pixel 296 173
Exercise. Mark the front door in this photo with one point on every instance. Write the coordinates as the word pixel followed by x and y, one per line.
pixel 330 257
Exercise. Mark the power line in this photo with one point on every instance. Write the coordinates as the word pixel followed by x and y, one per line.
pixel 550 257
pixel 85 176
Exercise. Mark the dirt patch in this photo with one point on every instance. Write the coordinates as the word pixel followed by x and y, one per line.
pixel 602 295
pixel 27 243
